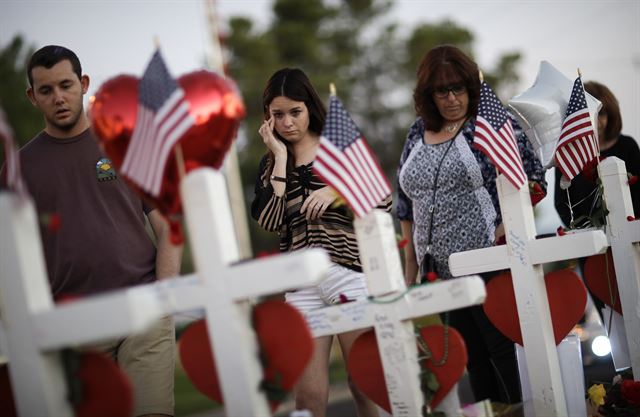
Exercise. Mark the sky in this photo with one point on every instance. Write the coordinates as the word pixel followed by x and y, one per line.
pixel 601 37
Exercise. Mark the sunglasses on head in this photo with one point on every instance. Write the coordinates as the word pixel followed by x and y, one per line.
pixel 443 92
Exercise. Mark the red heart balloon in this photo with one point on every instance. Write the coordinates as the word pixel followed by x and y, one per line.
pixel 214 104
pixel 567 301
pixel 106 390
pixel 365 366
pixel 595 275
pixel 285 341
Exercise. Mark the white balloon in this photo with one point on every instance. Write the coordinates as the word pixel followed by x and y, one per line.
pixel 541 109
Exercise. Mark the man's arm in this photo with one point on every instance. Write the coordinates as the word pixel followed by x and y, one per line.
pixel 168 256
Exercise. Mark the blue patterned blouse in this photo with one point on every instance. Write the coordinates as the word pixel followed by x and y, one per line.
pixel 532 165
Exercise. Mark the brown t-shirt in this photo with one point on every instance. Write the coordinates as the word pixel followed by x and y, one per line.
pixel 102 242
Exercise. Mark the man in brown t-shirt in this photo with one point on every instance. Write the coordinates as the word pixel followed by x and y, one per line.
pixel 101 243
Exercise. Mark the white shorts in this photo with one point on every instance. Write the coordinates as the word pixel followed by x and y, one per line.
pixel 339 280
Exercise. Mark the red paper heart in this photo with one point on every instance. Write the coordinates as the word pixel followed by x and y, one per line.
pixel 365 365
pixel 596 279
pixel 567 301
pixel 106 390
pixel 285 341
pixel 214 103
pixel 7 403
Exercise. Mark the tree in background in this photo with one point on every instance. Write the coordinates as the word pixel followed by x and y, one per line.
pixel 25 119
pixel 352 44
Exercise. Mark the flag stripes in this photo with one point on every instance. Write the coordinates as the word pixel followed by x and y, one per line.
pixel 577 144
pixel 504 152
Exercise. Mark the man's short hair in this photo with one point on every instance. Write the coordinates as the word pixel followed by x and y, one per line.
pixel 50 55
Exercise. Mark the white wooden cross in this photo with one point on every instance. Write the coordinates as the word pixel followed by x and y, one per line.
pixel 524 255
pixel 624 238
pixel 392 321
pixel 35 328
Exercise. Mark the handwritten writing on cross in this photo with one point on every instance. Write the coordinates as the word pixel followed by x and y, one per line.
pixel 624 238
pixel 524 255
pixel 392 321
pixel 34 328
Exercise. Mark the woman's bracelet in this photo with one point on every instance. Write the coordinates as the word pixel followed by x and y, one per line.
pixel 276 178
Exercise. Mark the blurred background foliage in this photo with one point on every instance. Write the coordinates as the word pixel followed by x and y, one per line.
pixel 352 43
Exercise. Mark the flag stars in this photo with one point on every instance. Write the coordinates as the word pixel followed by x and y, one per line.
pixel 578 100
pixel 340 127
pixel 491 108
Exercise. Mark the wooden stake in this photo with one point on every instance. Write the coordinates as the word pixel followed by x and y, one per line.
pixel 177 151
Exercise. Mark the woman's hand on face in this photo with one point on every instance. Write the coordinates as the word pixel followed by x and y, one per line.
pixel 317 203
pixel 274 144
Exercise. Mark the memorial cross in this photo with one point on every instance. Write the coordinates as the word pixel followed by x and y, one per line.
pixel 624 239
pixel 35 328
pixel 524 255
pixel 391 312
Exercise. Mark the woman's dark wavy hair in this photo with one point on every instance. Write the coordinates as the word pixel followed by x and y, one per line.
pixel 610 106
pixel 442 66
pixel 293 84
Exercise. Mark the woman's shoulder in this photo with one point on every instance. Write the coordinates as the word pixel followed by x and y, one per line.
pixel 416 130
pixel 624 147
pixel 628 141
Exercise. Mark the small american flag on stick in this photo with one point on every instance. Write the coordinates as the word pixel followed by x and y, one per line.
pixel 577 145
pixel 12 171
pixel 163 118
pixel 495 138
pixel 345 162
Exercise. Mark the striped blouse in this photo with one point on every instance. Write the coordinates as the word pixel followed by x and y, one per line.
pixel 333 231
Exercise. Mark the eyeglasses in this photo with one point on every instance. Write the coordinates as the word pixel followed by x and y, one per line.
pixel 443 92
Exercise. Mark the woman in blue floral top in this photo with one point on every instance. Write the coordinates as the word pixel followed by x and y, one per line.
pixel 448 202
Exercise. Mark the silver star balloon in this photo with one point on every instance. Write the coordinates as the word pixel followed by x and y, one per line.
pixel 541 109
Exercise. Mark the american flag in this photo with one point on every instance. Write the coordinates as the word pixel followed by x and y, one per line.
pixel 12 171
pixel 495 138
pixel 345 162
pixel 577 144
pixel 163 117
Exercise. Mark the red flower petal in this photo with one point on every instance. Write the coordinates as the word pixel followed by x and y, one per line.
pixel 432 276
pixel 630 391
pixel 536 192
pixel 53 225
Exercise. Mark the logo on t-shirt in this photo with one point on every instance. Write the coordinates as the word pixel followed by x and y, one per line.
pixel 105 171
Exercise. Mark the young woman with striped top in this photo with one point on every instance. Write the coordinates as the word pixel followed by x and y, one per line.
pixel 293 202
